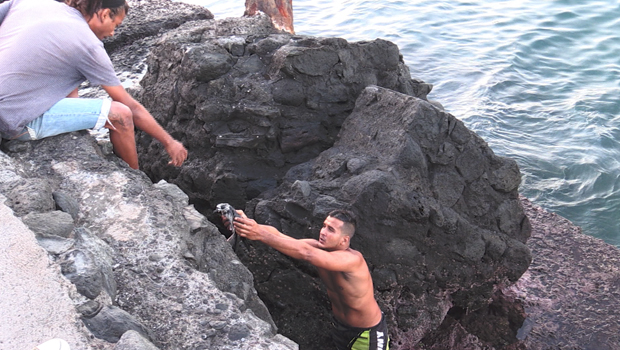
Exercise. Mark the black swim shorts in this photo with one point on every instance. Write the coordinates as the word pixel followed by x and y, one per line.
pixel 351 338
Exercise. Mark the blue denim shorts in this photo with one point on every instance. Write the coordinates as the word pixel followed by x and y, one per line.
pixel 67 115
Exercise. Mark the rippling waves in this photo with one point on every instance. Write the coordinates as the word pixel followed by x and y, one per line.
pixel 538 80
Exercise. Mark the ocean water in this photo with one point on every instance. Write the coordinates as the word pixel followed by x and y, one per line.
pixel 539 80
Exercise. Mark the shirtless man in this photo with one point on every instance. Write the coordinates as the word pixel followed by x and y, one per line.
pixel 358 321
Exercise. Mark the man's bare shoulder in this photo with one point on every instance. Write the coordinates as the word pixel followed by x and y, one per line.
pixel 346 252
pixel 351 254
pixel 353 251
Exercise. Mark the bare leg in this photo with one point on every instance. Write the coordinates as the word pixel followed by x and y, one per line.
pixel 122 133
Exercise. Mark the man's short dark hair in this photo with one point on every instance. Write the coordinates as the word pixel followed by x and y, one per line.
pixel 346 216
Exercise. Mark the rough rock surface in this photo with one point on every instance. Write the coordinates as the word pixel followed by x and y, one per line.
pixel 572 288
pixel 152 264
pixel 566 299
pixel 149 18
pixel 441 225
pixel 249 104
pixel 568 294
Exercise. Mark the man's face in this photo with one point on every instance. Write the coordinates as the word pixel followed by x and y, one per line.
pixel 331 233
pixel 103 25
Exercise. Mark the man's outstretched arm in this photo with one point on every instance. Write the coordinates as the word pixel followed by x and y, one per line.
pixel 296 248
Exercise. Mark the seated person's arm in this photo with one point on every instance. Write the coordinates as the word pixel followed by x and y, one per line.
pixel 145 122
pixel 73 94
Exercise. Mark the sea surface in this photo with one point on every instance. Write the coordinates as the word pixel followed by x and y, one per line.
pixel 538 80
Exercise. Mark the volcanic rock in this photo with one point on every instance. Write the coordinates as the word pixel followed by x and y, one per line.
pixel 436 232
pixel 134 240
pixel 249 103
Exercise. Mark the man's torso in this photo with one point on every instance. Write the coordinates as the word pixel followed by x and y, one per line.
pixel 352 295
pixel 46 51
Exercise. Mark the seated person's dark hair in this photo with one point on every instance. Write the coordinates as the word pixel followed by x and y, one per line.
pixel 90 7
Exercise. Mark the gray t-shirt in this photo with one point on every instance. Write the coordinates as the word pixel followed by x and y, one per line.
pixel 47 50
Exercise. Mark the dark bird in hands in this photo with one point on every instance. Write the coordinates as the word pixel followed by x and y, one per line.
pixel 229 213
